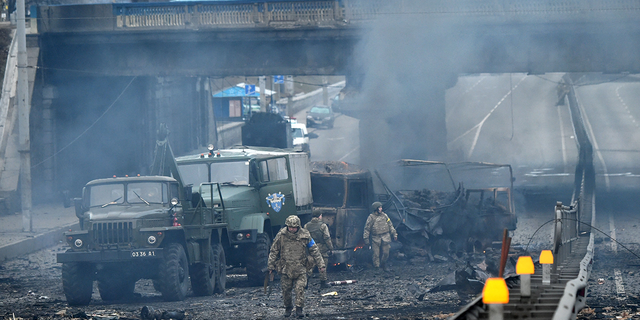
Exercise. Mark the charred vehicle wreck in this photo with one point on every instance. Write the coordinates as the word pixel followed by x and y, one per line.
pixel 446 209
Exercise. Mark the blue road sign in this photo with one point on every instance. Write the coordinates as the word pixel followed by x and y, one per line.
pixel 249 89
pixel 278 79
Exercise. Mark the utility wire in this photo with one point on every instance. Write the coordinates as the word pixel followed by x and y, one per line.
pixel 88 128
pixel 587 224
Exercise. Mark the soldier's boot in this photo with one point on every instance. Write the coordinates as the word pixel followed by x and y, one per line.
pixel 299 313
pixel 385 268
pixel 287 311
pixel 324 284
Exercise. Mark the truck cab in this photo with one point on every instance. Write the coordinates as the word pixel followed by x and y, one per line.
pixel 260 187
pixel 343 192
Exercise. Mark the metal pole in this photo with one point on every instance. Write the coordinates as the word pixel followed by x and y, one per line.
pixel 23 120
pixel 263 96
pixel 325 91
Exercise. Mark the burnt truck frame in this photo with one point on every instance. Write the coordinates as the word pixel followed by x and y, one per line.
pixel 481 189
pixel 344 195
pixel 147 227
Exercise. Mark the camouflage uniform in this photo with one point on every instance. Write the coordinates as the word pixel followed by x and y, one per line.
pixel 381 229
pixel 289 256
pixel 320 233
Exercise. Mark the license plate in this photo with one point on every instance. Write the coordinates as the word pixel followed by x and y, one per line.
pixel 143 253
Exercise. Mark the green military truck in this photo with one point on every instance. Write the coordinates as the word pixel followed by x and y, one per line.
pixel 149 227
pixel 260 187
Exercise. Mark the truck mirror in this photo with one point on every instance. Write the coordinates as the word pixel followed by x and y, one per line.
pixel 66 200
pixel 77 203
pixel 188 190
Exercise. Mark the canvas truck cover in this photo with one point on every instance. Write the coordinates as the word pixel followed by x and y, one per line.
pixel 301 178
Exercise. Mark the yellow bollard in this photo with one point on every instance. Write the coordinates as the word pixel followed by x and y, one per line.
pixel 546 259
pixel 495 294
pixel 525 269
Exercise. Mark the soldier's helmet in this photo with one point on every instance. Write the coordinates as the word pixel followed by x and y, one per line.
pixel 292 221
pixel 375 206
pixel 316 213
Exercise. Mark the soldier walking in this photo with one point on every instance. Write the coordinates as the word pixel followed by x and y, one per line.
pixel 289 256
pixel 380 228
pixel 320 233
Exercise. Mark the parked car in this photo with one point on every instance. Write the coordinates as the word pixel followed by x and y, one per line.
pixel 320 116
pixel 300 137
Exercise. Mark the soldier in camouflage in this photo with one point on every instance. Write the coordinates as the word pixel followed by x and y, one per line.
pixel 289 256
pixel 380 228
pixel 320 234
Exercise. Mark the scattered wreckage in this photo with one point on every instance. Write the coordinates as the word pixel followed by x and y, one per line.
pixel 439 209
pixel 445 209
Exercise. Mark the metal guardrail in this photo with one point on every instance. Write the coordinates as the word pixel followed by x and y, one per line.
pixel 573 253
pixel 319 13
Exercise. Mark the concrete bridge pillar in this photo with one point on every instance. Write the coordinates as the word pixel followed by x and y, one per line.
pixel 410 124
pixel 44 163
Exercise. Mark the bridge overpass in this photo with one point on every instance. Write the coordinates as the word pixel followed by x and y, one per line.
pixel 141 64
pixel 146 63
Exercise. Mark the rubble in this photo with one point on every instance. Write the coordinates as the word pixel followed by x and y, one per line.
pixel 436 216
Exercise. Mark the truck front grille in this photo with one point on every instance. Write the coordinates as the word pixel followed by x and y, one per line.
pixel 112 233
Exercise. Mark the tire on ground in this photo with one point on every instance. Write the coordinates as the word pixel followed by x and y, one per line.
pixel 257 259
pixel 221 274
pixel 204 275
pixel 173 274
pixel 77 283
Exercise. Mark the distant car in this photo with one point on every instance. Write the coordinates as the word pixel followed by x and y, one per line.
pixel 320 116
pixel 300 137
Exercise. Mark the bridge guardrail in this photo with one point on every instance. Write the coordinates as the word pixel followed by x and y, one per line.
pixel 575 220
pixel 322 13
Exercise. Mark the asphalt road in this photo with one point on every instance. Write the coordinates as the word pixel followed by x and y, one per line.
pixel 612 120
pixel 513 119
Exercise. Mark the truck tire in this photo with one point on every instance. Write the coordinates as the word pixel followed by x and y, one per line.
pixel 221 274
pixel 77 283
pixel 116 288
pixel 203 275
pixel 257 259
pixel 173 274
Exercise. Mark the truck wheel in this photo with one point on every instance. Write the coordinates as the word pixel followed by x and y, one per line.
pixel 257 259
pixel 174 273
pixel 77 283
pixel 221 274
pixel 203 275
pixel 115 289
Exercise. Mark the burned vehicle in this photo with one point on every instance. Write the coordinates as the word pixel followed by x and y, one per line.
pixel 435 214
pixel 343 192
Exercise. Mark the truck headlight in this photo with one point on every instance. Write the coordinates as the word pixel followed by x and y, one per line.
pixel 78 243
pixel 151 239
pixel 239 236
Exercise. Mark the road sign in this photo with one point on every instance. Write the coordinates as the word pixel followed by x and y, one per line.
pixel 249 89
pixel 288 85
pixel 278 79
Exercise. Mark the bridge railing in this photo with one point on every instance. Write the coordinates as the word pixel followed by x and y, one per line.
pixel 576 220
pixel 221 15
pixel 327 13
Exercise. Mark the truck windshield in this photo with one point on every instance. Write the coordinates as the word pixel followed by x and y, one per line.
pixel 330 192
pixel 194 174
pixel 106 194
pixel 236 172
pixel 145 192
pixel 297 133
